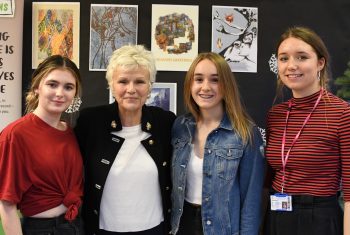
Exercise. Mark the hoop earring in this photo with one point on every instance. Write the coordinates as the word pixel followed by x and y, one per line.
pixel 319 75
pixel 74 106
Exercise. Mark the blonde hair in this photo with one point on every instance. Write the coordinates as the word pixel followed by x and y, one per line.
pixel 131 57
pixel 239 118
pixel 47 66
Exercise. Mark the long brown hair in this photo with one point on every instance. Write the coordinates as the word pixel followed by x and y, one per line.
pixel 238 116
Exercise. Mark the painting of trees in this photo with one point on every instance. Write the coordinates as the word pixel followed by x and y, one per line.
pixel 111 27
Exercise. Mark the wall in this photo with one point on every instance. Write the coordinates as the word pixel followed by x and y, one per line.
pixel 329 19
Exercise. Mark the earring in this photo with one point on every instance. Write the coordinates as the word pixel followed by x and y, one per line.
pixel 319 75
pixel 74 106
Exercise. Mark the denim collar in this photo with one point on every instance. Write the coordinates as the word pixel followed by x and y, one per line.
pixel 224 123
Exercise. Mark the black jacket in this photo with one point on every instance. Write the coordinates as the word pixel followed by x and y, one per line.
pixel 99 149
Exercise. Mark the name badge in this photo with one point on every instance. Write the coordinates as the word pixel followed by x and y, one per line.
pixel 281 202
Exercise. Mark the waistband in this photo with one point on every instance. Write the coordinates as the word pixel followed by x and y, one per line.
pixel 30 222
pixel 192 204
pixel 192 210
pixel 309 200
pixel 314 200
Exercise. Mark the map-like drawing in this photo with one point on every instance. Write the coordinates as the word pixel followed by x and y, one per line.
pixel 174 33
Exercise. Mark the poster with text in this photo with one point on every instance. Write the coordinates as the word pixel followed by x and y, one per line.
pixel 174 39
pixel 11 34
pixel 111 27
pixel 7 8
pixel 55 31
pixel 235 36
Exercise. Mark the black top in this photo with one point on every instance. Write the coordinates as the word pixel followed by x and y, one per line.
pixel 99 148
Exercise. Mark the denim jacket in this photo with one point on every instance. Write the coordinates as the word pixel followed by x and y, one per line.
pixel 233 174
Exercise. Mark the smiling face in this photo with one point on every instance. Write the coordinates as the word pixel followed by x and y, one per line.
pixel 205 89
pixel 130 89
pixel 55 92
pixel 298 66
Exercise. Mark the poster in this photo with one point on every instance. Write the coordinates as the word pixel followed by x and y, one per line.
pixel 235 36
pixel 11 30
pixel 174 39
pixel 111 27
pixel 7 8
pixel 55 31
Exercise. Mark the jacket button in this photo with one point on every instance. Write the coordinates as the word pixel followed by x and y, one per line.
pixel 97 186
pixel 105 161
pixel 167 188
pixel 95 212
pixel 114 139
pixel 151 142
pixel 148 126
pixel 209 151
pixel 208 222
pixel 114 124
pixel 169 210
pixel 164 163
pixel 180 188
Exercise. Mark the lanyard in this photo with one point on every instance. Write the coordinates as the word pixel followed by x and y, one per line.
pixel 285 157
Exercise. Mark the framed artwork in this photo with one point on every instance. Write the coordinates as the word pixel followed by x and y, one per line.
pixel 55 31
pixel 111 27
pixel 174 39
pixel 163 95
pixel 235 36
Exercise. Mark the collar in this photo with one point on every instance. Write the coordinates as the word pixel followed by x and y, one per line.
pixel 225 122
pixel 307 100
pixel 116 125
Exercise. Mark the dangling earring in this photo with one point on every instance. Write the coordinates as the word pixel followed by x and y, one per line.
pixel 319 75
pixel 74 106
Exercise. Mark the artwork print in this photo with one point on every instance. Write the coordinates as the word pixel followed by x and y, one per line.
pixel 55 31
pixel 163 95
pixel 235 36
pixel 111 27
pixel 174 36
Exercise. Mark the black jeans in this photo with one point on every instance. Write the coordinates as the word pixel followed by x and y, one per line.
pixel 191 220
pixel 52 226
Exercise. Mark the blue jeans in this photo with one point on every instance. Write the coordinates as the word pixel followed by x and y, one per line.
pixel 52 226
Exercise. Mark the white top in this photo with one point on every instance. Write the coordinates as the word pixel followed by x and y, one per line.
pixel 194 179
pixel 131 199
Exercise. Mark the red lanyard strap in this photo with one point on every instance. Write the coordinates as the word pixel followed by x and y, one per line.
pixel 285 157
